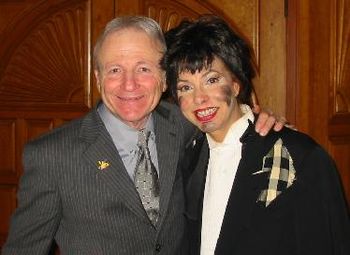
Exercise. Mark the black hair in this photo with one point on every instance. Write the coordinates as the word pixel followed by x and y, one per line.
pixel 192 46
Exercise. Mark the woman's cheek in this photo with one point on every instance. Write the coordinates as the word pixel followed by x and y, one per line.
pixel 224 94
pixel 184 103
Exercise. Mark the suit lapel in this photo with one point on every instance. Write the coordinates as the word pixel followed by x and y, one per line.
pixel 194 198
pixel 168 141
pixel 102 157
pixel 196 184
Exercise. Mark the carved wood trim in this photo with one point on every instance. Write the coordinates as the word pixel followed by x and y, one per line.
pixel 292 82
pixel 339 110
pixel 44 55
pixel 169 13
pixel 340 36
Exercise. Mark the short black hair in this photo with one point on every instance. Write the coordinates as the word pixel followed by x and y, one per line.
pixel 192 46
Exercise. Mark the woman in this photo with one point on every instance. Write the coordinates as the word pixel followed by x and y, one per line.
pixel 278 194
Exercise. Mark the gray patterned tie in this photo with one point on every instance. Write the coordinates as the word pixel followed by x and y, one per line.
pixel 146 178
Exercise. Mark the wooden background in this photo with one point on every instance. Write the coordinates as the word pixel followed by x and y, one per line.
pixel 301 50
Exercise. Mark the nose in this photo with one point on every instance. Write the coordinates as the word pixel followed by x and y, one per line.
pixel 200 96
pixel 129 82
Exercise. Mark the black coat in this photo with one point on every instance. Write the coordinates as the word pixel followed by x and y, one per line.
pixel 308 216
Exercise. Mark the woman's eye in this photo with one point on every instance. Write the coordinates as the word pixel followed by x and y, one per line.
pixel 213 80
pixel 184 88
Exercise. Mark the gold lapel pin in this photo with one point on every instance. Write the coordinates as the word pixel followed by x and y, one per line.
pixel 102 164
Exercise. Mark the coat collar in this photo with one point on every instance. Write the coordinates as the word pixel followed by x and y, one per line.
pixel 168 141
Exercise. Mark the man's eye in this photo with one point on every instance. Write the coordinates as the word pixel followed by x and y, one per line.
pixel 144 69
pixel 114 70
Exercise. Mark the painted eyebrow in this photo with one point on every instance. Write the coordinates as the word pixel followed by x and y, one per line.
pixel 204 74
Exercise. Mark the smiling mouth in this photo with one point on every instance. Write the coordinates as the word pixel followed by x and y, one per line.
pixel 130 98
pixel 207 114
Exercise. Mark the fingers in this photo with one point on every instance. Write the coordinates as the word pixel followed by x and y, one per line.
pixel 256 109
pixel 268 120
pixel 279 124
pixel 265 122
pixel 288 125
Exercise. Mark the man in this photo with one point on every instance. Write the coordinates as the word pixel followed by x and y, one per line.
pixel 80 185
pixel 271 195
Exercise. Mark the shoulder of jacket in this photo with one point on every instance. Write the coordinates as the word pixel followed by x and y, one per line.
pixel 66 131
pixel 300 145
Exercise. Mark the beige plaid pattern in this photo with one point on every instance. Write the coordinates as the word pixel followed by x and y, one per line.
pixel 279 164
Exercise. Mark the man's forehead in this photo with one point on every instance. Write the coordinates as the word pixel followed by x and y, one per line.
pixel 130 45
pixel 133 37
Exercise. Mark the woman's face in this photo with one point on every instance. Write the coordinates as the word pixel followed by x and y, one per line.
pixel 208 99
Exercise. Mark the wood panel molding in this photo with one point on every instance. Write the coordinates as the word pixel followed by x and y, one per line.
pixel 56 33
pixel 44 80
pixel 246 16
pixel 7 148
pixel 340 29
pixel 169 13
pixel 8 198
pixel 339 125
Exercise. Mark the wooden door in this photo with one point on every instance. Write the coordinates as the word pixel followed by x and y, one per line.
pixel 45 67
pixel 45 77
pixel 318 82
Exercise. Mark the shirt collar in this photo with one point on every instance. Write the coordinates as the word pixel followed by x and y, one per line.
pixel 122 134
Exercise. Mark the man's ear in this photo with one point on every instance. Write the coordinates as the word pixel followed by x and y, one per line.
pixel 97 77
pixel 165 85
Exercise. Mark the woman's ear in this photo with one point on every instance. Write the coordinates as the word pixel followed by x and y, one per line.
pixel 236 88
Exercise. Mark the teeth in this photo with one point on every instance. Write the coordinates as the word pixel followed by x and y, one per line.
pixel 206 112
pixel 129 98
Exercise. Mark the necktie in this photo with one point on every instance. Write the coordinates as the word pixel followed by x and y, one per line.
pixel 146 178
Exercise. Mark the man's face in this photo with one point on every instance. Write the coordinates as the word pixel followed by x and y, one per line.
pixel 208 99
pixel 130 80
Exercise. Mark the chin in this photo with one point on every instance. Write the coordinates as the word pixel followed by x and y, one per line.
pixel 208 127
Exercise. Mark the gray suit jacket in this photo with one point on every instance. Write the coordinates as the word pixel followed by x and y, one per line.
pixel 75 190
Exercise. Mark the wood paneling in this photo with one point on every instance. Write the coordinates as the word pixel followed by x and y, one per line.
pixel 8 198
pixel 7 147
pixel 44 53
pixel 44 79
pixel 318 76
pixel 339 88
